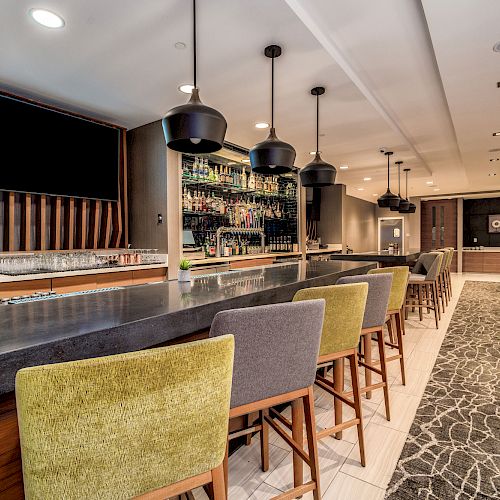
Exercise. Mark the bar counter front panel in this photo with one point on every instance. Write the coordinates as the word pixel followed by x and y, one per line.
pixel 139 317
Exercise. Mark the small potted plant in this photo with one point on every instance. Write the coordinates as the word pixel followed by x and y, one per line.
pixel 184 270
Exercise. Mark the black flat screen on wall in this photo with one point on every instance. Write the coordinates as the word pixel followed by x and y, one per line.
pixel 50 152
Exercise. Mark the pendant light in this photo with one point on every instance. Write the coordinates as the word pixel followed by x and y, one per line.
pixel 388 199
pixel 193 127
pixel 402 201
pixel 318 173
pixel 411 206
pixel 272 156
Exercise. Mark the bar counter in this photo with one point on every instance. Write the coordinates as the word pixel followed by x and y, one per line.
pixel 143 316
pixel 384 257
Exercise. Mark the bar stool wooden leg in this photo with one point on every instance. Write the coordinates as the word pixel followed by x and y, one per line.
pixel 390 328
pixel 312 443
pixel 264 441
pixel 225 466
pixel 218 483
pixel 298 436
pixel 435 302
pixel 420 311
pixel 367 345
pixel 338 382
pixel 383 367
pixel 400 347
pixel 353 362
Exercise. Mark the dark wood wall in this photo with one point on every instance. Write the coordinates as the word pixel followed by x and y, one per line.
pixel 39 222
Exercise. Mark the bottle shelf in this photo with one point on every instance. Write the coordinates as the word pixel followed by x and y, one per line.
pixel 201 214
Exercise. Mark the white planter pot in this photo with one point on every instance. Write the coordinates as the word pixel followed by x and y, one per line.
pixel 184 275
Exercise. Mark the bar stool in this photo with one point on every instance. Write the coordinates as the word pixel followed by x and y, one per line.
pixel 379 289
pixel 445 275
pixel 442 293
pixel 395 317
pixel 150 424
pixel 423 291
pixel 448 271
pixel 276 347
pixel 344 311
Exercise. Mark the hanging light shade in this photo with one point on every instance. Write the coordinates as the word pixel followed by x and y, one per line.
pixel 402 201
pixel 194 127
pixel 317 173
pixel 411 206
pixel 272 156
pixel 388 199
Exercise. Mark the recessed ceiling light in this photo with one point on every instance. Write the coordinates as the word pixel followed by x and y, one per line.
pixel 187 88
pixel 495 134
pixel 430 183
pixel 361 189
pixel 436 189
pixel 262 125
pixel 344 167
pixel 367 178
pixel 180 45
pixel 47 18
pixel 496 47
pixel 246 161
pixel 492 174
pixel 375 194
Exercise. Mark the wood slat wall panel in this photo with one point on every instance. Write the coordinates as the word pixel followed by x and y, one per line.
pixel 94 218
pixel 41 222
pixel 55 223
pixel 105 233
pixel 9 222
pixel 69 224
pixel 81 224
pixel 25 240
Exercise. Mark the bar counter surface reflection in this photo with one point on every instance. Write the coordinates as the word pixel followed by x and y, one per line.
pixel 139 317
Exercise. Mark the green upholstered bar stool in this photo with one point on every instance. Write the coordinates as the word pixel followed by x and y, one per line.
pixel 395 309
pixel 150 424
pixel 344 312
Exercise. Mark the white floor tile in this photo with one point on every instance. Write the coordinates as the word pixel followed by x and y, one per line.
pixel 346 487
pixel 403 408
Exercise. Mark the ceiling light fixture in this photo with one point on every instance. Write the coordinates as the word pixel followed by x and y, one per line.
pixel 344 167
pixel 430 183
pixel 495 134
pixel 388 199
pixel 272 156
pixel 361 189
pixel 180 45
pixel 437 189
pixel 187 88
pixel 262 125
pixel 318 173
pixel 194 127
pixel 47 18
pixel 367 178
pixel 411 206
pixel 402 201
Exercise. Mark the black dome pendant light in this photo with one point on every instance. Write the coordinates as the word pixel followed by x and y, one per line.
pixel 402 201
pixel 317 173
pixel 272 156
pixel 388 199
pixel 411 206
pixel 194 127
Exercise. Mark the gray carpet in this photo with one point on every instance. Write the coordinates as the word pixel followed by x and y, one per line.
pixel 453 448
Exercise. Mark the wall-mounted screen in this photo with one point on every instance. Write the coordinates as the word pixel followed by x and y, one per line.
pixel 50 152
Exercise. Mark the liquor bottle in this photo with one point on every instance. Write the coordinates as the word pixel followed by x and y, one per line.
pixel 185 199
pixel 251 181
pixel 189 202
pixel 216 174
pixel 243 179
pixel 205 169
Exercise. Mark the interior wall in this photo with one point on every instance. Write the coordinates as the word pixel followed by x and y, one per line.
pixel 147 187
pixel 359 224
pixel 330 221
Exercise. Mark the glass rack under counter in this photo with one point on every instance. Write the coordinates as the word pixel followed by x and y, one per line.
pixel 230 211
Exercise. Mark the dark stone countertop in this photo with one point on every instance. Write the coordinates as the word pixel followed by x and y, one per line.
pixel 384 256
pixel 139 317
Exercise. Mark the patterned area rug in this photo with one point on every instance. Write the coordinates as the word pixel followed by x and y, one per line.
pixel 453 448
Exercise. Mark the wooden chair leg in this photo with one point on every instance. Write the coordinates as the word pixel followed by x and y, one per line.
pixel 298 436
pixel 420 310
pixel 403 318
pixel 312 443
pixel 225 466
pixel 367 344
pixel 248 423
pixel 264 441
pixel 435 302
pixel 383 369
pixel 390 328
pixel 449 281
pixel 219 486
pixel 400 348
pixel 338 381
pixel 353 362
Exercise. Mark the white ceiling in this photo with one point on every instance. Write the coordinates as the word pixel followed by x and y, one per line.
pixel 416 77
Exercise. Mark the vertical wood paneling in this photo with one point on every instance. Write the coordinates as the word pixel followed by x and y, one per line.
pixel 69 224
pixel 55 223
pixel 81 224
pixel 105 233
pixel 94 219
pixel 41 222
pixel 9 222
pixel 25 240
pixel 116 222
pixel 124 191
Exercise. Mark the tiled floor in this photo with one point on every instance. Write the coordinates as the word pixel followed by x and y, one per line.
pixel 342 476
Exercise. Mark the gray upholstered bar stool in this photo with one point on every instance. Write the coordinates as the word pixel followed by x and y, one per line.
pixel 276 348
pixel 379 289
pixel 423 286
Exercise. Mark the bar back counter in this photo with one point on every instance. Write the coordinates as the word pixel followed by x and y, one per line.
pixel 129 319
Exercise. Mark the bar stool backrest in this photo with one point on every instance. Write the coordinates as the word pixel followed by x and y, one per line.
pixel 400 276
pixel 120 426
pixel 449 260
pixel 379 289
pixel 436 260
pixel 344 311
pixel 276 348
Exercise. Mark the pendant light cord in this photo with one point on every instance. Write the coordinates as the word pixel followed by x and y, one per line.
pixel 399 179
pixel 388 183
pixel 317 123
pixel 406 185
pixel 194 43
pixel 272 92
